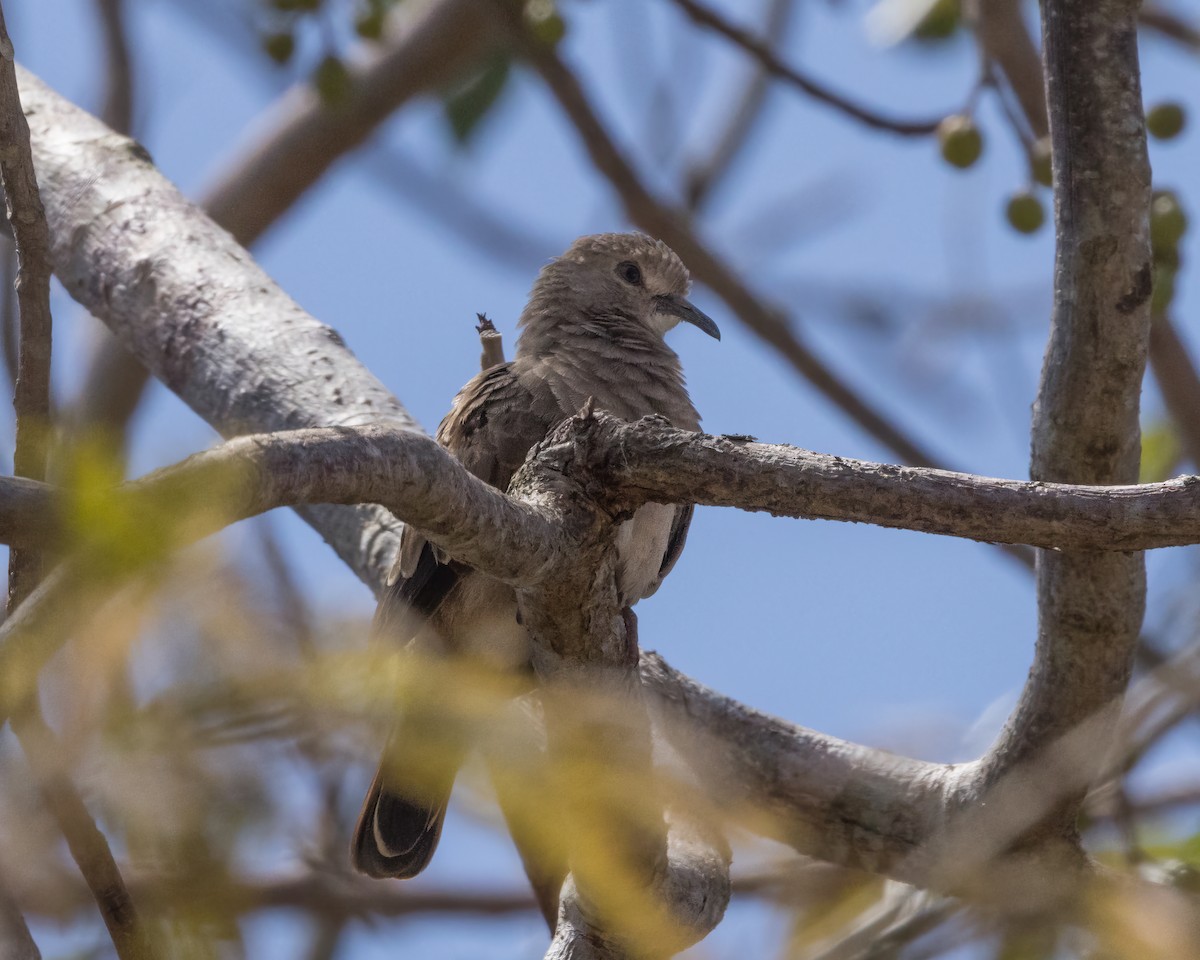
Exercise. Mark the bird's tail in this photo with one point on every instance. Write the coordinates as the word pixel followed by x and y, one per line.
pixel 401 820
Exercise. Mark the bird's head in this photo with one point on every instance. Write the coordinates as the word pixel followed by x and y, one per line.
pixel 617 278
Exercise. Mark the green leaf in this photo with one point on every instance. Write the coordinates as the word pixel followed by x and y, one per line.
pixel 469 103
pixel 370 25
pixel 332 80
pixel 279 47
pixel 1160 452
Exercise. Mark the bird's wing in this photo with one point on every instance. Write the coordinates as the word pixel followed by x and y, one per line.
pixel 679 532
pixel 490 427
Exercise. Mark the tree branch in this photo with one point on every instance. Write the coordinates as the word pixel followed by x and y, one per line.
pixel 134 252
pixel 704 174
pixel 303 138
pixel 762 52
pixel 1005 41
pixel 117 111
pixel 634 463
pixel 1154 17
pixel 31 398
pixel 1086 416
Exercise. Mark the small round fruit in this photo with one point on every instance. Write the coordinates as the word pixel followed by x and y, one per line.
pixel 960 140
pixel 1025 212
pixel 1166 120
pixel 1168 222
pixel 1039 162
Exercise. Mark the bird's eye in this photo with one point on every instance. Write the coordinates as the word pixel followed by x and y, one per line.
pixel 630 272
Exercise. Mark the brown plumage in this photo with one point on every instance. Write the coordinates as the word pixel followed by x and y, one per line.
pixel 593 327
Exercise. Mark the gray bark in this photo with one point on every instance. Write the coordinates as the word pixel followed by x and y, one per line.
pixel 1085 425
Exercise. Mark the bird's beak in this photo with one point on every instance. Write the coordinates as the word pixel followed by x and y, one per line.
pixel 679 307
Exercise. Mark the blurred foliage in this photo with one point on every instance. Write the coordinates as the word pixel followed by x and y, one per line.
pixel 1161 450
pixel 469 103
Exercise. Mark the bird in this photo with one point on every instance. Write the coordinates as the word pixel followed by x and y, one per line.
pixel 593 328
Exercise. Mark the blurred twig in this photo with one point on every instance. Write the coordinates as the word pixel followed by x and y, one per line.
pixel 1006 42
pixel 496 235
pixel 762 52
pixel 89 848
pixel 705 174
pixel 1170 25
pixel 117 111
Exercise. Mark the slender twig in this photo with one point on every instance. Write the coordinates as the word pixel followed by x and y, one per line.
pixel 491 343
pixel 762 52
pixel 9 317
pixel 31 398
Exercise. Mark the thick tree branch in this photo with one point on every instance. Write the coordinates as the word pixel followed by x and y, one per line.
pixel 432 43
pixel 632 463
pixel 838 801
pixel 1086 415
pixel 136 254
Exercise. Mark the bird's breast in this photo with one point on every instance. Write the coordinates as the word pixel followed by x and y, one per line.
pixel 641 545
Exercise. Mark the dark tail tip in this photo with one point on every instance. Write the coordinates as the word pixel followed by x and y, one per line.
pixel 396 837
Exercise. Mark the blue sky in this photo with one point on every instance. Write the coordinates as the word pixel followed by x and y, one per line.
pixel 903 640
